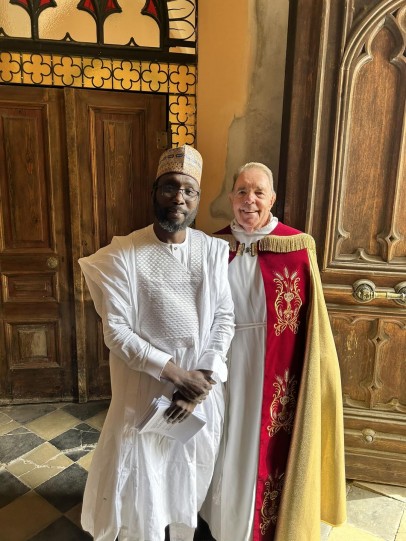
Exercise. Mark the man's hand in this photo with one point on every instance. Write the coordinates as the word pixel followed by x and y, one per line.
pixel 207 374
pixel 194 385
pixel 180 409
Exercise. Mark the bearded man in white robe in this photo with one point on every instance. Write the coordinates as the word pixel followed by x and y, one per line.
pixel 163 295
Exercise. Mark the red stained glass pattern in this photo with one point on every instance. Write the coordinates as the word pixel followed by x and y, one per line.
pixel 183 30
pixel 150 9
pixel 34 6
pixel 112 6
pixel 22 3
pixel 87 5
pixel 100 9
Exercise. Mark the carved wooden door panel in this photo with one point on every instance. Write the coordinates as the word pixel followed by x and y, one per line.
pixel 113 157
pixel 344 177
pixel 36 332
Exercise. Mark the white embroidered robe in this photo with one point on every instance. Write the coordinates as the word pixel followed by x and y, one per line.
pixel 314 481
pixel 236 473
pixel 153 309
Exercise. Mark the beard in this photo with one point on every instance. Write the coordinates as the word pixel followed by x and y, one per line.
pixel 170 225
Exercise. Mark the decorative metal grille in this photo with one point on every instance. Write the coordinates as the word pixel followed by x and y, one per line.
pixel 176 21
pixel 176 80
pixel 36 61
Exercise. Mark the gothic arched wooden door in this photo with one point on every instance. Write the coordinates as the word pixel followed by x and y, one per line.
pixel 343 180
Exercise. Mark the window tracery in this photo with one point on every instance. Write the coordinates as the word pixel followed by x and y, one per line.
pixel 131 45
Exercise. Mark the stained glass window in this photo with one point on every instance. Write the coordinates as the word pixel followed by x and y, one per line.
pixel 132 45
pixel 164 25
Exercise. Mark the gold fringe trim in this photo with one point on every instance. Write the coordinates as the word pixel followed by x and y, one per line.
pixel 292 243
pixel 273 243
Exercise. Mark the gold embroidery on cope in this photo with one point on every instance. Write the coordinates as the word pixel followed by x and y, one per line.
pixel 288 301
pixel 283 407
pixel 270 502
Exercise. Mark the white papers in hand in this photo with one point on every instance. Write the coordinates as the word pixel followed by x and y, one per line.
pixel 153 420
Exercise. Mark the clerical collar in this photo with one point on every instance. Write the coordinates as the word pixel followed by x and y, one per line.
pixel 266 230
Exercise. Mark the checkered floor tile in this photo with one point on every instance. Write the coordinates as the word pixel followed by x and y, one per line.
pixel 45 454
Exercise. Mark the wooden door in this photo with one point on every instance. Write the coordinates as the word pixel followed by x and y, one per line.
pixel 113 158
pixel 36 331
pixel 343 179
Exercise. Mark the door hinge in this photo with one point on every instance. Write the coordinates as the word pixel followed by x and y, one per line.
pixel 163 139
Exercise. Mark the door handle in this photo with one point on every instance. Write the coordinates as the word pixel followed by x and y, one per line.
pixel 366 291
pixel 52 262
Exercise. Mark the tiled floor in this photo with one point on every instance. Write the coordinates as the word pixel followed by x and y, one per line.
pixel 45 452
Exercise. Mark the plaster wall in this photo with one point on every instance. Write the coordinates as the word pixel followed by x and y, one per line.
pixel 241 67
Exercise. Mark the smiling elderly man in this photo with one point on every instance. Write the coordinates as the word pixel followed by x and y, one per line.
pixel 281 466
pixel 163 295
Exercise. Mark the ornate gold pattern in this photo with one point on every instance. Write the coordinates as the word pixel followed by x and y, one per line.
pixel 241 249
pixel 176 80
pixel 270 502
pixel 288 301
pixel 285 396
pixel 254 249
